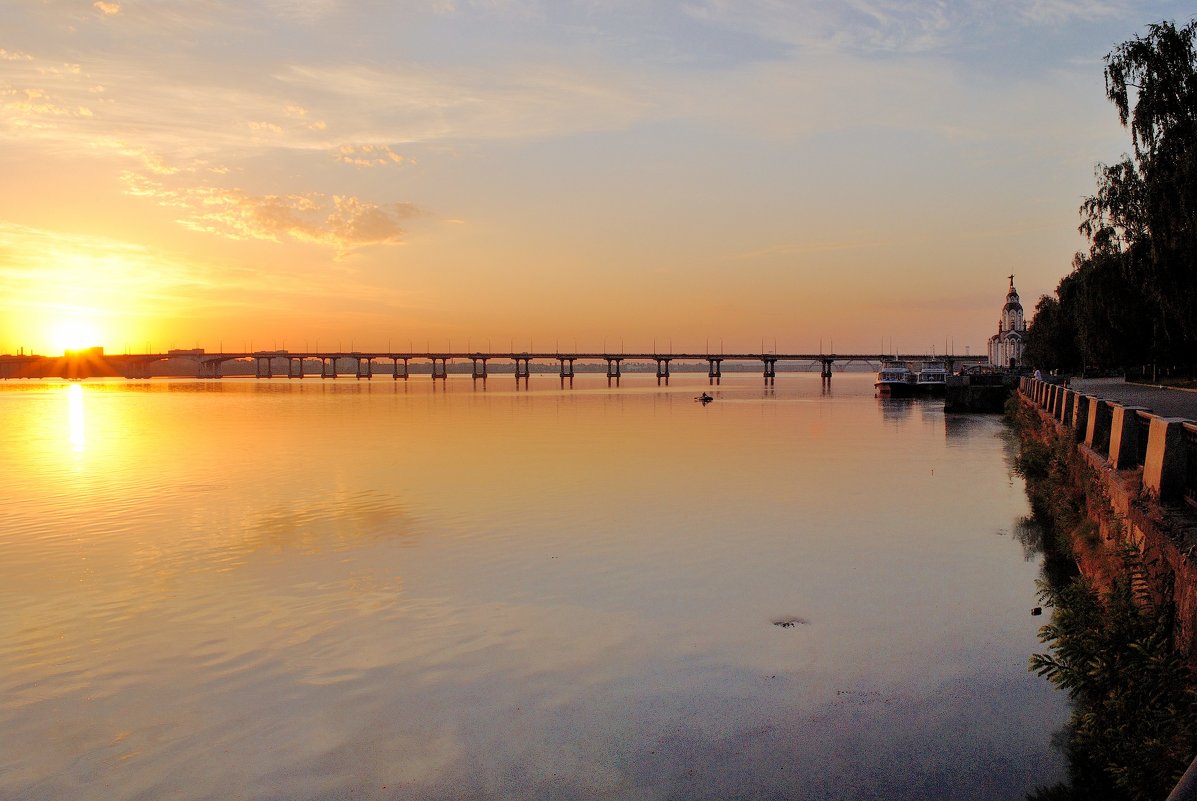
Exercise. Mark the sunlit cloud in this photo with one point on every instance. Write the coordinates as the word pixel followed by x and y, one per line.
pixel 14 55
pixel 339 221
pixel 108 9
pixel 368 155
pixel 26 105
pixel 267 127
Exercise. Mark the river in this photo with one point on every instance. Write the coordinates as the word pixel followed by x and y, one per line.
pixel 335 589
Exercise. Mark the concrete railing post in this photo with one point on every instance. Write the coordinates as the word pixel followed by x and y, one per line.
pixel 1096 433
pixel 1080 416
pixel 1124 436
pixel 1166 462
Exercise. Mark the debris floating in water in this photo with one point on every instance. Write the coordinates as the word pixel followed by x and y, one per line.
pixel 790 622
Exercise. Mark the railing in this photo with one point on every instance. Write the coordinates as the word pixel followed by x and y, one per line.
pixel 1126 437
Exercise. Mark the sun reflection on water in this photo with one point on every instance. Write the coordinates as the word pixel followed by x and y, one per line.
pixel 76 420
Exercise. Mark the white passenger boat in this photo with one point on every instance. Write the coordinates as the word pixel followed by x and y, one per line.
pixel 932 379
pixel 895 379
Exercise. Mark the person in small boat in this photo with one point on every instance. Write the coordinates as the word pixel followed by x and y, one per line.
pixel 705 398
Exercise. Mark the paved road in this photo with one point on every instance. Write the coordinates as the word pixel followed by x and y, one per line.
pixel 1161 400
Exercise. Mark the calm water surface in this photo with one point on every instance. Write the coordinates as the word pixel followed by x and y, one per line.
pixel 394 590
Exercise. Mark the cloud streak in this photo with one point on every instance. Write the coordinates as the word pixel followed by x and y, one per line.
pixel 342 222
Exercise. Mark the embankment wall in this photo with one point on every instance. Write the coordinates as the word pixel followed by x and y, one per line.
pixel 1144 487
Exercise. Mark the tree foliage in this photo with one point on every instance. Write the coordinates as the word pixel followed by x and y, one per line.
pixel 1132 298
pixel 1135 708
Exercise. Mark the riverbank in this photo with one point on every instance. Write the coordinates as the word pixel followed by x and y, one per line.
pixel 1121 586
pixel 1132 466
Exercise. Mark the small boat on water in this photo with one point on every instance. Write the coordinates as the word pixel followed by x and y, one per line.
pixel 932 379
pixel 895 379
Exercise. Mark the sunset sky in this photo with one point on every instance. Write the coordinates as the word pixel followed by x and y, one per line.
pixel 372 174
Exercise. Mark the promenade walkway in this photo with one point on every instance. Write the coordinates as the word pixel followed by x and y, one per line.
pixel 1164 401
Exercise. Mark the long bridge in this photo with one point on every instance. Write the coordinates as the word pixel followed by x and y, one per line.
pixel 365 365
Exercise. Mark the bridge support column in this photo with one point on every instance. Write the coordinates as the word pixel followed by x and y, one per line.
pixel 264 367
pixel 209 369
pixel 479 368
pixel 328 366
pixel 827 365
pixel 770 369
pixel 567 366
pixel 715 371
pixel 613 367
pixel 291 372
pixel 523 367
pixel 440 367
pixel 395 374
pixel 368 372
pixel 136 369
pixel 662 368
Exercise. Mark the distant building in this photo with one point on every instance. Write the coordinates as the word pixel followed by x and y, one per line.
pixel 1005 347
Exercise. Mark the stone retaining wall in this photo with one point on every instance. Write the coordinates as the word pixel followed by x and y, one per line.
pixel 1146 466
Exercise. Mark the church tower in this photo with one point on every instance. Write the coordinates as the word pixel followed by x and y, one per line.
pixel 1005 347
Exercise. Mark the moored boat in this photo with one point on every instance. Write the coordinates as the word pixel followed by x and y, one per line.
pixel 932 379
pixel 895 379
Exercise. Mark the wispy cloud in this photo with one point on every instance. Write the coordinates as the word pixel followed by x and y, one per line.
pixel 339 221
pixel 368 155
pixel 1056 12
pixel 107 9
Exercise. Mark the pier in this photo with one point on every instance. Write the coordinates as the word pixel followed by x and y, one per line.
pixel 93 362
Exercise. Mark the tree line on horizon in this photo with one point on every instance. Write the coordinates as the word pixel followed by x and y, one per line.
pixel 1129 301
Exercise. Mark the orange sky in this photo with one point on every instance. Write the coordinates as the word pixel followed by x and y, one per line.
pixel 287 173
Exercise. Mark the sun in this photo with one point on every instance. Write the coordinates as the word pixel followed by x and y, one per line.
pixel 75 334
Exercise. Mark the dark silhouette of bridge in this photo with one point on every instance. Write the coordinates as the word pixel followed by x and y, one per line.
pixel 366 365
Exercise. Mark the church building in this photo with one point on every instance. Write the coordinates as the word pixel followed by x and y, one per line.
pixel 1005 347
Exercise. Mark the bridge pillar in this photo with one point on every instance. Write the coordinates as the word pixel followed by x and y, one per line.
pixel 395 374
pixel 523 367
pixel 440 367
pixel 770 368
pixel 715 371
pixel 368 373
pixel 136 369
pixel 264 367
pixel 479 368
pixel 567 366
pixel 613 366
pixel 328 366
pixel 662 368
pixel 827 365
pixel 209 369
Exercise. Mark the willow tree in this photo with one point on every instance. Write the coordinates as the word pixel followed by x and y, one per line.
pixel 1144 213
